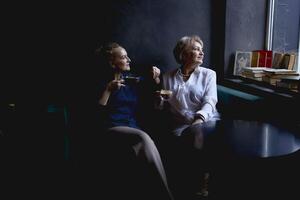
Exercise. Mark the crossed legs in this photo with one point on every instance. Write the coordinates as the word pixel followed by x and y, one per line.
pixel 143 147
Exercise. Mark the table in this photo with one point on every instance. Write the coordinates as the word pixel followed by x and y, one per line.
pixel 253 159
pixel 254 138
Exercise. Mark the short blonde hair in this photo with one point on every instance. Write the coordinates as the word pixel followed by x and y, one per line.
pixel 106 51
pixel 182 45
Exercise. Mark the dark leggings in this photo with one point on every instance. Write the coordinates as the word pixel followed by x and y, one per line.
pixel 187 159
pixel 143 147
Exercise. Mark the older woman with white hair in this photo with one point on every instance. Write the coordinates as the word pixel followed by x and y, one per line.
pixel 192 101
pixel 194 88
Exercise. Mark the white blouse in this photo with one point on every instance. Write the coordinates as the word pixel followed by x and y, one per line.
pixel 196 96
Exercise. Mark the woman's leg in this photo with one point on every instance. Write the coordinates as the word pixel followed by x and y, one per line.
pixel 193 140
pixel 193 136
pixel 143 146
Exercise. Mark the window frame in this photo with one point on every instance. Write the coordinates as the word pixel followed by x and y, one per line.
pixel 270 30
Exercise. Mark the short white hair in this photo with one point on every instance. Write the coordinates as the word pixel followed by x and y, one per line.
pixel 182 44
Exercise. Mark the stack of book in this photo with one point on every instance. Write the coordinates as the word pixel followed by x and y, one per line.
pixel 262 59
pixel 284 60
pixel 291 83
pixel 274 76
pixel 256 73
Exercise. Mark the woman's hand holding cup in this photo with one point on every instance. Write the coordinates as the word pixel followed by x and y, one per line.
pixel 166 94
pixel 115 84
pixel 162 95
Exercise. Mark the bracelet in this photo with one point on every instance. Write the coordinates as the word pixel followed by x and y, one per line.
pixel 199 116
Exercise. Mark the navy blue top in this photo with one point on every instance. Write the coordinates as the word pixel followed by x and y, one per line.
pixel 122 105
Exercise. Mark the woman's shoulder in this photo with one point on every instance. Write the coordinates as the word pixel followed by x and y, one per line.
pixel 207 71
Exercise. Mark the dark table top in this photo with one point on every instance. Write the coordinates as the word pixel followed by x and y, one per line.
pixel 254 138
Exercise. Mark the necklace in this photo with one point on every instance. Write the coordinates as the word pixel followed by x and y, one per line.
pixel 186 75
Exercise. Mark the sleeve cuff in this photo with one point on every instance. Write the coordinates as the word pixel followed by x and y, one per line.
pixel 200 115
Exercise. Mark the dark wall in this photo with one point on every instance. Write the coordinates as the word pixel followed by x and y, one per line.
pixel 148 30
pixel 50 47
pixel 245 29
pixel 218 19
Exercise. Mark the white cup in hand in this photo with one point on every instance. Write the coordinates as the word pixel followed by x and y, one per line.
pixel 166 94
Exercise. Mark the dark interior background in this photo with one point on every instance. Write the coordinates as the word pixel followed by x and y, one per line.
pixel 48 59
pixel 50 47
pixel 245 29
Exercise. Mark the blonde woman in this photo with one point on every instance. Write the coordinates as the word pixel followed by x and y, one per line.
pixel 120 97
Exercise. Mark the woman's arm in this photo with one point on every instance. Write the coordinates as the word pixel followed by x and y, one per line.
pixel 210 99
pixel 158 98
pixel 111 86
pixel 104 97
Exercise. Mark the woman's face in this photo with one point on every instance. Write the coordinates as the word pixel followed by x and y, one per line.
pixel 193 54
pixel 120 59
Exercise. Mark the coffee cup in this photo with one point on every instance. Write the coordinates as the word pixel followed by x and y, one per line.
pixel 166 94
pixel 129 80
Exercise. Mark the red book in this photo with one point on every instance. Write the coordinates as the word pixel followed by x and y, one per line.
pixel 264 58
pixel 269 57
